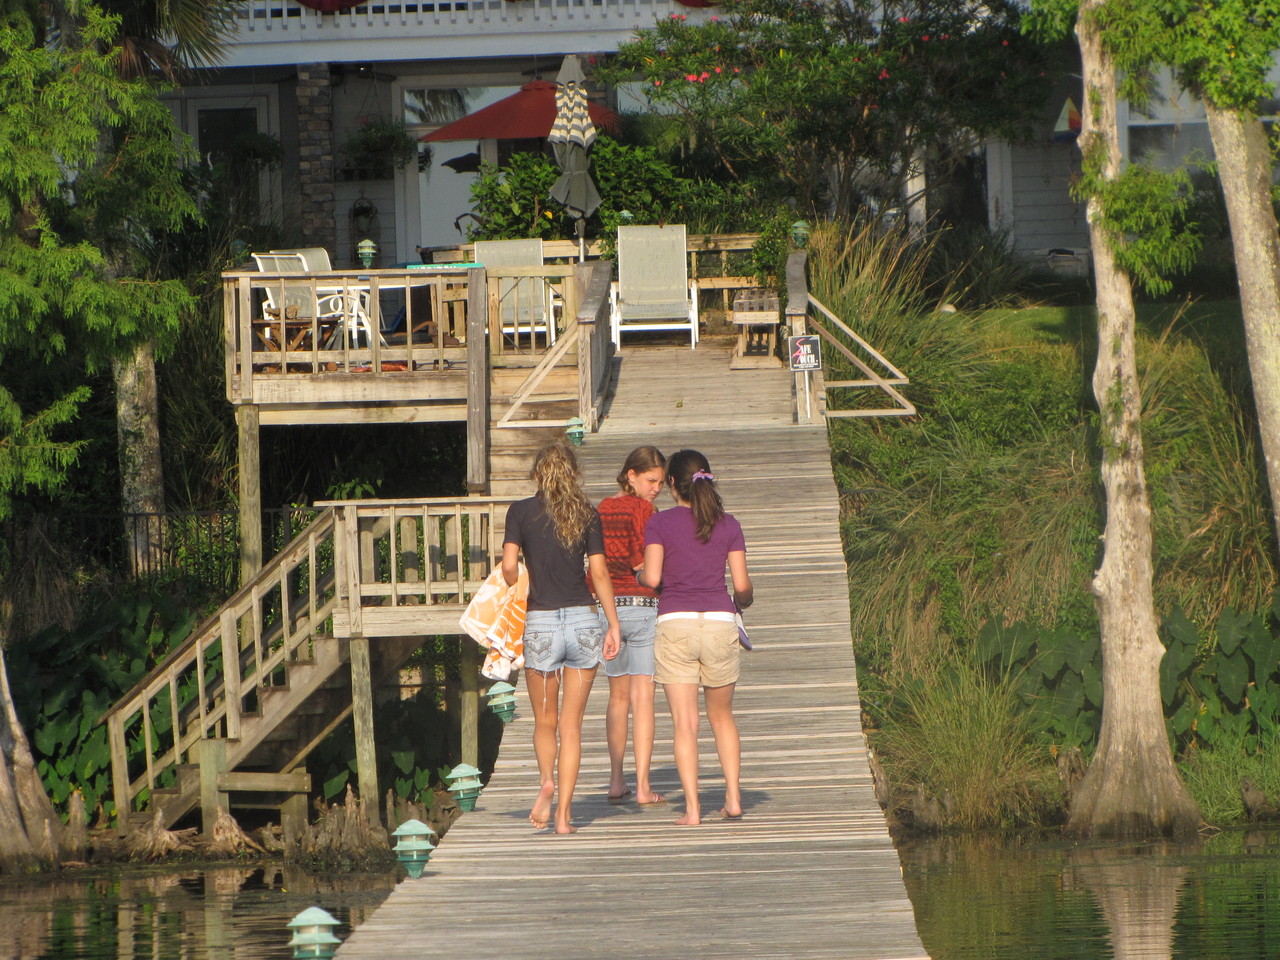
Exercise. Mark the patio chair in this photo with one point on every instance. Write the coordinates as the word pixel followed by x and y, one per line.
pixel 328 303
pixel 653 290
pixel 525 303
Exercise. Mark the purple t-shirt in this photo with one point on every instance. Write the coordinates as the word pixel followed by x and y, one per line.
pixel 693 571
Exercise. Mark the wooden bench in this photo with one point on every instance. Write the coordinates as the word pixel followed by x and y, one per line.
pixel 755 314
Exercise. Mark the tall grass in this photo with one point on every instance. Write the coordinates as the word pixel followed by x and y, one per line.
pixel 965 737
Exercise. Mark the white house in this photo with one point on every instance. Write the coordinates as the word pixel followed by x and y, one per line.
pixel 310 77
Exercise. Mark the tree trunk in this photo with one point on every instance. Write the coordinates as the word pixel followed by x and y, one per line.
pixel 138 437
pixel 1132 786
pixel 30 832
pixel 1244 166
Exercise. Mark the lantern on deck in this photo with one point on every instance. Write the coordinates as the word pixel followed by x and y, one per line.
pixel 366 250
pixel 464 784
pixel 313 935
pixel 415 842
pixel 502 700
pixel 575 430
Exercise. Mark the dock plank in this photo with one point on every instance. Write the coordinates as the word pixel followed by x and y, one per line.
pixel 810 872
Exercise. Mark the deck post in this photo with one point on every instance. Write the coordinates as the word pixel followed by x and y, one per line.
pixel 470 669
pixel 797 311
pixel 362 718
pixel 477 383
pixel 247 430
pixel 119 773
pixel 211 754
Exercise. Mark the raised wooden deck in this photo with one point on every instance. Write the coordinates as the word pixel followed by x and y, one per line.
pixel 810 871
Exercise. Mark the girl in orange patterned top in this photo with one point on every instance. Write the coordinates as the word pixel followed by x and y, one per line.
pixel 623 518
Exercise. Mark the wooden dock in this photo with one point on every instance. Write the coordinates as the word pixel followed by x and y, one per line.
pixel 810 871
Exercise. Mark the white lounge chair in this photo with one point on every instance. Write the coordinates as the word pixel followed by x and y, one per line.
pixel 525 303
pixel 653 291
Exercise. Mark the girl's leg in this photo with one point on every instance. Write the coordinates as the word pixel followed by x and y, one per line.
pixel 728 744
pixel 544 694
pixel 682 698
pixel 577 687
pixel 642 689
pixel 615 728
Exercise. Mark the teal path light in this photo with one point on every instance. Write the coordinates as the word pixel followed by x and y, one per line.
pixel 800 233
pixel 502 700
pixel 414 843
pixel 464 784
pixel 575 430
pixel 313 935
pixel 366 250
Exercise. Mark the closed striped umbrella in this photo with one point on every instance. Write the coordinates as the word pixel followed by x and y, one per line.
pixel 571 138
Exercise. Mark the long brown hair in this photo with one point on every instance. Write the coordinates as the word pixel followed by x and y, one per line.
pixel 555 471
pixel 700 493
pixel 641 460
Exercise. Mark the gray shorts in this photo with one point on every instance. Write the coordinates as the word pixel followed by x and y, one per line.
pixel 639 626
pixel 568 637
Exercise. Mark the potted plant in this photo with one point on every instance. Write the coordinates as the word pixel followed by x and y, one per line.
pixel 377 147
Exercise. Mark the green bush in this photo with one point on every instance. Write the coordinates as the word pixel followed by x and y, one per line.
pixel 966 736
pixel 72 677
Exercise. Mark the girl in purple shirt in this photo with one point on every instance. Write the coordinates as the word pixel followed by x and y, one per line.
pixel 686 551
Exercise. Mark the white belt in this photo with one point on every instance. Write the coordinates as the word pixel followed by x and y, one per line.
pixel 719 615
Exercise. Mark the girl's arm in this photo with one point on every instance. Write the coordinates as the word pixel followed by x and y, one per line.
pixel 650 575
pixel 743 593
pixel 603 585
pixel 510 562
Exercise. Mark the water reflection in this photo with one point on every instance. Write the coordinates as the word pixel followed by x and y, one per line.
pixel 167 913
pixel 1018 899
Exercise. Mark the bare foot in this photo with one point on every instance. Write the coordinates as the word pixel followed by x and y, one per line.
pixel 564 829
pixel 726 815
pixel 540 815
pixel 692 818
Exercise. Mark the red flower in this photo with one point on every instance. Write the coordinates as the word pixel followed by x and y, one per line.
pixel 704 75
pixel 691 77
pixel 925 38
pixel 657 83
pixel 718 70
pixel 884 74
pixel 1004 43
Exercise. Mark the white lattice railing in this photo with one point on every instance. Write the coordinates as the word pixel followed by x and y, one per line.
pixel 523 21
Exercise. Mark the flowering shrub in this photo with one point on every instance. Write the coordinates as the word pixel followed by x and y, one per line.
pixel 836 100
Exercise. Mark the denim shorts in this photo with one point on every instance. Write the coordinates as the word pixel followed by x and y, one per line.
pixel 568 637
pixel 639 625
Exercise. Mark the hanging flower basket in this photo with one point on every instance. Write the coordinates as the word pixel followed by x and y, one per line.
pixel 377 148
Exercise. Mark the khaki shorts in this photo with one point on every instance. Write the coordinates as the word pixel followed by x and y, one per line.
pixel 697 651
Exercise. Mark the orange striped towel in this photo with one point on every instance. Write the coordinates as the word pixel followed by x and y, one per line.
pixel 495 619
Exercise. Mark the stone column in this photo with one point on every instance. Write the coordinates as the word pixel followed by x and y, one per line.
pixel 315 155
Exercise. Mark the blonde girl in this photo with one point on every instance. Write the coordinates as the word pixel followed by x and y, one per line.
pixel 564 638
pixel 623 518
pixel 686 551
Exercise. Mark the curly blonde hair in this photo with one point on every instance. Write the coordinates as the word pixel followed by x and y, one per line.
pixel 555 472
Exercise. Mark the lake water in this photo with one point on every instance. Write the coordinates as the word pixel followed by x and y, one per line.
pixel 976 898
pixel 999 899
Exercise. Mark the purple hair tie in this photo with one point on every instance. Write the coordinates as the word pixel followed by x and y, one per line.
pixel 702 475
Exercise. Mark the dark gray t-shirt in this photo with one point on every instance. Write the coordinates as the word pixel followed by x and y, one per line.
pixel 555 574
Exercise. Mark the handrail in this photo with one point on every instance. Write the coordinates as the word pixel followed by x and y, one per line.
pixel 196 691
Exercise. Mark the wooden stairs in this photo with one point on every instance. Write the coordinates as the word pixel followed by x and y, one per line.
pixel 260 683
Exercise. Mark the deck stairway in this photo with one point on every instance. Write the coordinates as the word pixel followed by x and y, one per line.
pixel 270 674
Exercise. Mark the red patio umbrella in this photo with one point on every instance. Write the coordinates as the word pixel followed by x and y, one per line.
pixel 525 115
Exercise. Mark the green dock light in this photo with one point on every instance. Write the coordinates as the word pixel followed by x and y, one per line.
pixel 414 843
pixel 464 784
pixel 313 935
pixel 502 700
pixel 800 233
pixel 366 250
pixel 575 430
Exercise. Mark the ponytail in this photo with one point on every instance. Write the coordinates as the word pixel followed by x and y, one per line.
pixel 690 474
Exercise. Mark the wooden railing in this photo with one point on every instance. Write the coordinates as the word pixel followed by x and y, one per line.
pixel 201 688
pixel 361 569
pixel 806 315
